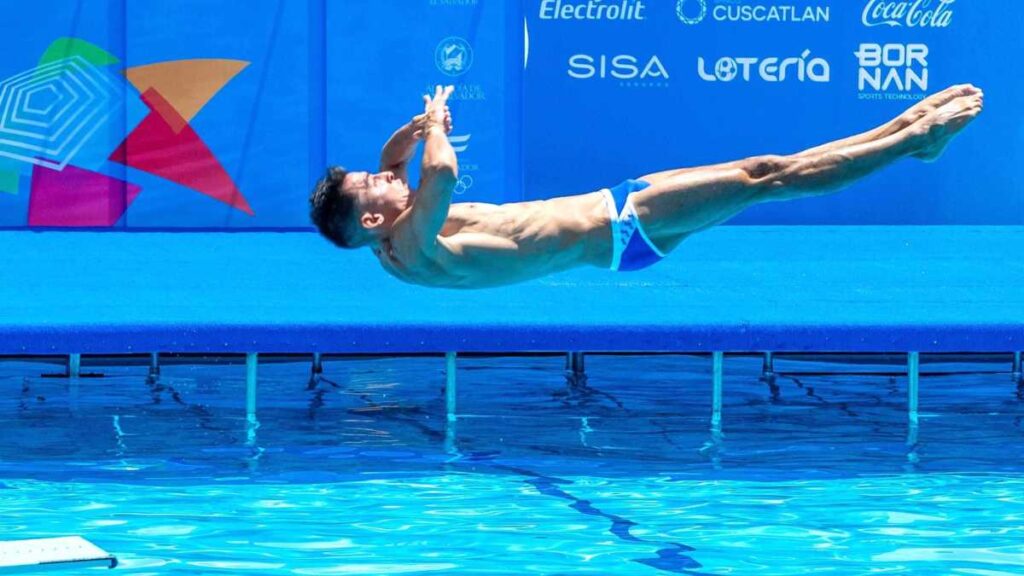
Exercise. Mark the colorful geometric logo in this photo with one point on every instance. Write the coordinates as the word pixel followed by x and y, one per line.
pixel 72 117
pixel 48 113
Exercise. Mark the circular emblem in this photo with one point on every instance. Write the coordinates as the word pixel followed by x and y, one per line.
pixel 465 183
pixel 453 56
pixel 693 15
pixel 726 69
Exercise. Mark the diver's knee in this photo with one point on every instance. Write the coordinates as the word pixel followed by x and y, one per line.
pixel 768 175
pixel 764 167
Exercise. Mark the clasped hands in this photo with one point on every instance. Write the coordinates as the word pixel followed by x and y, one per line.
pixel 435 112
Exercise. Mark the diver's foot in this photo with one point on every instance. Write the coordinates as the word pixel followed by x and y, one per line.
pixel 934 131
pixel 931 104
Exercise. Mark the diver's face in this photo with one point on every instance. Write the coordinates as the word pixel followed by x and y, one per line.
pixel 380 193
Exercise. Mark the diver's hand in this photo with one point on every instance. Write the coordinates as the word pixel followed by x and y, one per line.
pixel 436 107
pixel 435 111
pixel 420 122
pixel 448 125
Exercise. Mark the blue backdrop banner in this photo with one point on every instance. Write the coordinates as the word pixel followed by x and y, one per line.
pixel 116 114
pixel 618 88
pixel 193 114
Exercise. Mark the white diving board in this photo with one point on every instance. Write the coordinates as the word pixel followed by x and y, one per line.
pixel 47 554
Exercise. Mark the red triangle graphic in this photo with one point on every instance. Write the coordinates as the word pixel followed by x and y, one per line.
pixel 172 150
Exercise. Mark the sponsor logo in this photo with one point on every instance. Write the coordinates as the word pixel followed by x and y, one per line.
pixel 696 11
pixel 453 56
pixel 592 10
pixel 629 69
pixel 892 71
pixel 464 184
pixel 691 11
pixel 799 69
pixel 909 13
pixel 460 143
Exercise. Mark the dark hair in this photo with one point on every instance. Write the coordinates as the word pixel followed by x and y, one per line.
pixel 331 210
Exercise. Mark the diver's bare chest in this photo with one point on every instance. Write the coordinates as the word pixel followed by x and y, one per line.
pixel 474 217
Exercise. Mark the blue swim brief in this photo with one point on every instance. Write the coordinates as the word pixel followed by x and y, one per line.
pixel 631 248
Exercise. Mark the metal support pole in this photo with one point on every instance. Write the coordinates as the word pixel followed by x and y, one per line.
pixel 449 404
pixel 251 366
pixel 154 365
pixel 768 367
pixel 1015 372
pixel 716 391
pixel 74 370
pixel 74 367
pixel 913 376
pixel 316 370
pixel 712 448
pixel 913 381
pixel 449 386
pixel 768 375
pixel 575 370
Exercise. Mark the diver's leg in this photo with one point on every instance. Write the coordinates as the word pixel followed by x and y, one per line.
pixel 904 120
pixel 691 201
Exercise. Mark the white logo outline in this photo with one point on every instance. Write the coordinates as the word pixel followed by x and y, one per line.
pixel 691 20
pixel 453 56
pixel 460 143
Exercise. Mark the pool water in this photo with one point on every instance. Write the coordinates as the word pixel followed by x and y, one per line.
pixel 619 476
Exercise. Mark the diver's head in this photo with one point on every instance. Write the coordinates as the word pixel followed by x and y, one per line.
pixel 354 209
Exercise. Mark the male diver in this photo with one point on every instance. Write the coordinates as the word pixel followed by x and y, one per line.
pixel 421 237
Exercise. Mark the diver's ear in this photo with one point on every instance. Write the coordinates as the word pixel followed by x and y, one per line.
pixel 370 221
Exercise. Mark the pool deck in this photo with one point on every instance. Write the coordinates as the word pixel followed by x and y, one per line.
pixel 733 289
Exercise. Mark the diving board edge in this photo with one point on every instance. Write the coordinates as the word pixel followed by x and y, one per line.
pixel 411 338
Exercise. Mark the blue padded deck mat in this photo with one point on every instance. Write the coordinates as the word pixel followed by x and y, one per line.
pixel 732 289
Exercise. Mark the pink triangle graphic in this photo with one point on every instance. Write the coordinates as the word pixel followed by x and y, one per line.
pixel 74 197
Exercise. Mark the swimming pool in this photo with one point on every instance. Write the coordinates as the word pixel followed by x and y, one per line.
pixel 618 476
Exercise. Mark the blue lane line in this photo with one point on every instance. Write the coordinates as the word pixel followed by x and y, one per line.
pixel 672 556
